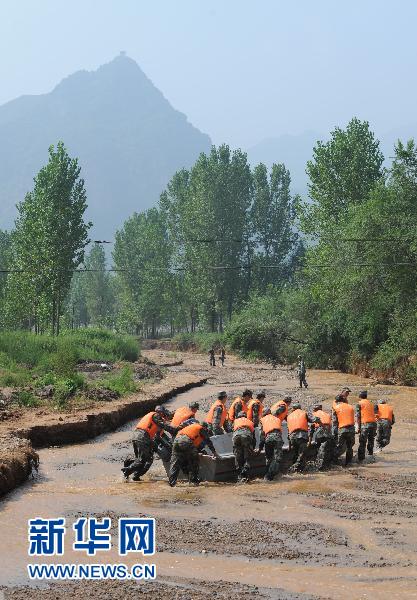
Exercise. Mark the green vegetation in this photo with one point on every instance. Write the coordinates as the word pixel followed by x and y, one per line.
pixel 121 382
pixel 201 342
pixel 39 361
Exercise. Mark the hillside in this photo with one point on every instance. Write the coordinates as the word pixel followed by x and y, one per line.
pixel 128 138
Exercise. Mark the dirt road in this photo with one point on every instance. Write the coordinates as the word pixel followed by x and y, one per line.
pixel 347 533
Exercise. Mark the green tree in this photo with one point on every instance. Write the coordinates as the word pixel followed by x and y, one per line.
pixel 272 216
pixel 98 289
pixel 342 173
pixel 48 243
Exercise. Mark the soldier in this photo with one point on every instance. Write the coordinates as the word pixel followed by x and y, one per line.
pixel 271 439
pixel 222 355
pixel 212 357
pixel 146 438
pixel 343 429
pixel 189 441
pixel 280 408
pixel 321 437
pixel 343 394
pixel 184 414
pixel 365 425
pixel 239 404
pixel 297 421
pixel 217 414
pixel 255 408
pixel 243 443
pixel 301 370
pixel 385 421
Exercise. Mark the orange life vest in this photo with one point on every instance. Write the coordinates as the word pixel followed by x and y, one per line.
pixel 367 411
pixel 250 409
pixel 209 417
pixel 345 414
pixel 147 424
pixel 385 411
pixel 237 400
pixel 243 422
pixel 270 423
pixel 324 417
pixel 183 413
pixel 284 414
pixel 193 432
pixel 297 420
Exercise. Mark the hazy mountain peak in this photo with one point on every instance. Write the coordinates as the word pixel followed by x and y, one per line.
pixel 128 137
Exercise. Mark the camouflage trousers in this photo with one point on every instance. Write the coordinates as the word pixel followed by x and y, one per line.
pixel 298 444
pixel 143 449
pixel 366 440
pixel 345 443
pixel 273 454
pixel 184 457
pixel 215 430
pixel 383 437
pixel 325 450
pixel 242 449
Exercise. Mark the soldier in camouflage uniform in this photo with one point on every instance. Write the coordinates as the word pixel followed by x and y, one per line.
pixel 271 439
pixel 321 437
pixel 386 420
pixel 302 371
pixel 244 442
pixel 343 429
pixel 365 418
pixel 185 449
pixel 146 438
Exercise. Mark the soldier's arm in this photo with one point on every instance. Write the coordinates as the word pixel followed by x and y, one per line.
pixel 261 440
pixel 393 419
pixel 358 416
pixel 217 415
pixel 280 410
pixel 207 442
pixel 164 425
pixel 255 410
pixel 335 423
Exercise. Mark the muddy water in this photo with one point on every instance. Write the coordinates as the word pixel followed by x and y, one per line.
pixel 341 534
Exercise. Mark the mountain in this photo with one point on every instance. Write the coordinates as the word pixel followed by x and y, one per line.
pixel 127 136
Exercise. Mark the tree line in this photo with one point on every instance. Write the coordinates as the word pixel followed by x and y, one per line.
pixel 228 247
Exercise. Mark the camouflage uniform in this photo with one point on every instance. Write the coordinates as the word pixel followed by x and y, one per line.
pixel 322 438
pixel 185 457
pixel 273 452
pixel 215 427
pixel 243 443
pixel 212 358
pixel 384 427
pixel 367 433
pixel 144 448
pixel 302 373
pixel 345 437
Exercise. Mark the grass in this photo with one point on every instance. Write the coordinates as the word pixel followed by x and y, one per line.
pixel 41 360
pixel 121 382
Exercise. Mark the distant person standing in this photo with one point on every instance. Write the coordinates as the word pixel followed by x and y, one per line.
pixel 212 356
pixel 302 371
pixel 222 355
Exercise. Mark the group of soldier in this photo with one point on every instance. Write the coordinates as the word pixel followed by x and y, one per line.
pixel 180 437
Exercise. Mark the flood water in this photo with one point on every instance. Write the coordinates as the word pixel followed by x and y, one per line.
pixel 369 551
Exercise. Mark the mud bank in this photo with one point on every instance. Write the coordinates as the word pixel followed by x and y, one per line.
pixel 17 455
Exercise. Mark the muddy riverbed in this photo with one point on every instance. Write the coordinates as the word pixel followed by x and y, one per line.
pixel 347 533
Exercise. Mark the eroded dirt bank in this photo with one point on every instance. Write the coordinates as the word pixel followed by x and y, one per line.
pixel 41 428
pixel 343 534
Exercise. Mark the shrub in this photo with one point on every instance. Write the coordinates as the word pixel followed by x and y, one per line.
pixel 27 399
pixel 121 382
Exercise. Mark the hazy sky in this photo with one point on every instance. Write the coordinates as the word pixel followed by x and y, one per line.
pixel 241 70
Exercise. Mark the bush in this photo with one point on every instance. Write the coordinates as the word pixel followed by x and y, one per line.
pixel 66 388
pixel 121 382
pixel 27 399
